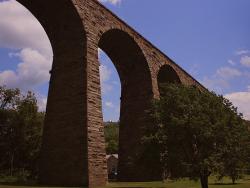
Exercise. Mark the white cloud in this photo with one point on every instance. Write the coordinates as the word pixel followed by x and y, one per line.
pixel 231 62
pixel 245 61
pixel 221 79
pixel 32 71
pixel 8 78
pixel 114 2
pixel 41 102
pixel 109 104
pixel 242 101
pixel 228 72
pixel 242 52
pixel 20 29
pixel 106 88
pixel 215 83
pixel 105 73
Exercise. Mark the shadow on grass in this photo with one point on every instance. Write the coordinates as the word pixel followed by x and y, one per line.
pixel 225 184
pixel 17 184
pixel 31 184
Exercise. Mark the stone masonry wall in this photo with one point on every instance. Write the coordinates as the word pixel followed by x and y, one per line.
pixel 98 21
pixel 73 150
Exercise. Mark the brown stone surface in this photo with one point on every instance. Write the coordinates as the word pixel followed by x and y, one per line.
pixel 73 150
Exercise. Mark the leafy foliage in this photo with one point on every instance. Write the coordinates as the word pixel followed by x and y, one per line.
pixel 20 132
pixel 111 131
pixel 198 133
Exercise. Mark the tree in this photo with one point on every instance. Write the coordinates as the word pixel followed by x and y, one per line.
pixel 193 130
pixel 235 153
pixel 20 131
pixel 9 99
pixel 111 131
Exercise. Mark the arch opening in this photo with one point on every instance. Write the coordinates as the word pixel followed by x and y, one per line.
pixel 167 75
pixel 27 54
pixel 110 88
pixel 135 100
pixel 27 60
pixel 111 94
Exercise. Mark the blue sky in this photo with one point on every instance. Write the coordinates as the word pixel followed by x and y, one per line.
pixel 208 38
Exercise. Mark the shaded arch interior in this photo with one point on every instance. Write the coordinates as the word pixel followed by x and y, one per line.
pixel 64 148
pixel 127 57
pixel 136 96
pixel 167 75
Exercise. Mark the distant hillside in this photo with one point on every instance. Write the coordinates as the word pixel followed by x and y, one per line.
pixel 108 123
pixel 111 131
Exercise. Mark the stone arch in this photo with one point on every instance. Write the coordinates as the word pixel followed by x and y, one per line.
pixel 128 59
pixel 167 75
pixel 136 97
pixel 63 158
pixel 73 151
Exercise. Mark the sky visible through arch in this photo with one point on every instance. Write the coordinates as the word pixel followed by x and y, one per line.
pixel 209 39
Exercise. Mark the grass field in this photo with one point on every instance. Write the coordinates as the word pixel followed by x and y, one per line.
pixel 226 183
pixel 244 183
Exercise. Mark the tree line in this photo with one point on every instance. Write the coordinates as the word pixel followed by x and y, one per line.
pixel 196 134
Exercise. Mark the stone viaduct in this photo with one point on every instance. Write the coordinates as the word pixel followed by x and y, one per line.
pixel 73 149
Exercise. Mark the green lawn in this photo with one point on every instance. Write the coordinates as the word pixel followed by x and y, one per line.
pixel 245 183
